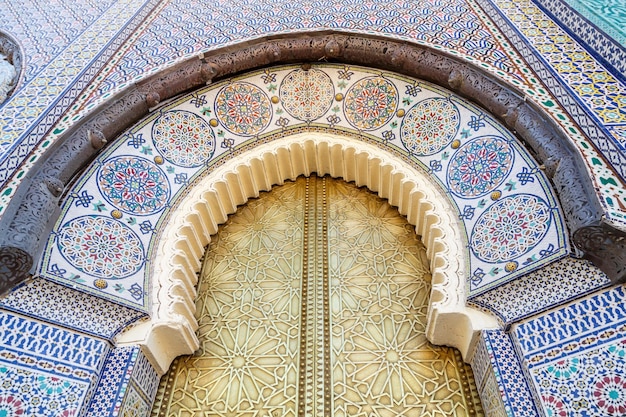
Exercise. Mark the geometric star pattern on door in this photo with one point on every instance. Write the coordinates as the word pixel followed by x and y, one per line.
pixel 313 301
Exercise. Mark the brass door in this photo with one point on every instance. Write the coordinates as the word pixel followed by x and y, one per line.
pixel 312 302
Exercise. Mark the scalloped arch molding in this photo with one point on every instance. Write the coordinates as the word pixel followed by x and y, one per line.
pixel 171 332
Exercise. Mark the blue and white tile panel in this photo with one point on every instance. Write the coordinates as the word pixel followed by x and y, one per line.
pixel 127 387
pixel 61 67
pixel 599 24
pixel 46 370
pixel 74 309
pixel 539 290
pixel 575 356
pixel 501 384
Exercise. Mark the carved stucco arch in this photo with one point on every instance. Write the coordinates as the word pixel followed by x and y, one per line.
pixel 24 225
pixel 171 330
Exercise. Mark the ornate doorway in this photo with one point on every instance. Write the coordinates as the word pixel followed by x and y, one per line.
pixel 312 301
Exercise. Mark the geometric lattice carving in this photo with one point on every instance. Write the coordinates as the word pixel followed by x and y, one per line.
pixel 313 300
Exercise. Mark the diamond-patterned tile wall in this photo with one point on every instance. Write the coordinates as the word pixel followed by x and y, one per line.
pixel 542 289
pixel 503 388
pixel 127 386
pixel 53 303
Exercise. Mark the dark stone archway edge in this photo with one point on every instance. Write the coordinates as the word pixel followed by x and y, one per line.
pixel 27 220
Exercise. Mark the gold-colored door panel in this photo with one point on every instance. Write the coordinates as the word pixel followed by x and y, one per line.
pixel 312 302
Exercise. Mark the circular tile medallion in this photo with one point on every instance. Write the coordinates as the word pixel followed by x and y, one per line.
pixel 480 166
pixel 307 95
pixel 134 185
pixel 244 109
pixel 429 126
pixel 101 247
pixel 510 228
pixel 183 138
pixel 370 103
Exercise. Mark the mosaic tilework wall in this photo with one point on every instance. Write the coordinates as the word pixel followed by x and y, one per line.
pixel 181 28
pixel 70 308
pixel 65 43
pixel 46 370
pixel 606 14
pixel 575 357
pixel 512 220
pixel 45 31
pixel 441 24
pixel 598 24
pixel 553 285
pixel 583 129
pixel 595 88
pixel 499 378
pixel 160 32
pixel 127 387
pixel 184 27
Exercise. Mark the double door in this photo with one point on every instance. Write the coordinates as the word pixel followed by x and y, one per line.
pixel 312 301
